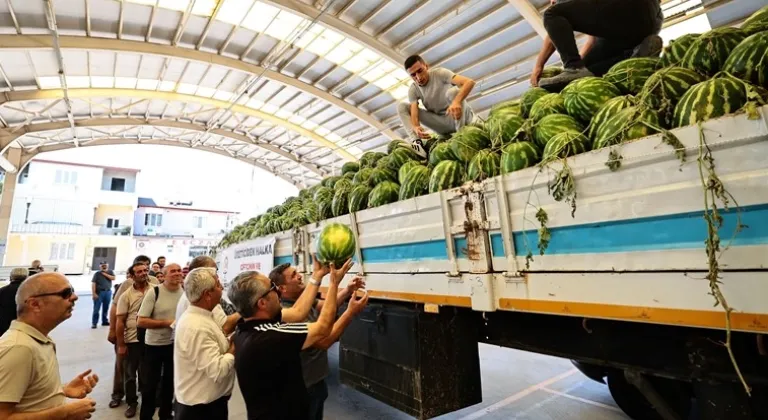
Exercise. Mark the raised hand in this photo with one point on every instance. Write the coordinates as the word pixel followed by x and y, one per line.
pixel 337 274
pixel 355 284
pixel 357 304
pixel 319 270
pixel 82 385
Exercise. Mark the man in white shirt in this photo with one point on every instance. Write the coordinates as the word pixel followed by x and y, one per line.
pixel 203 357
pixel 226 323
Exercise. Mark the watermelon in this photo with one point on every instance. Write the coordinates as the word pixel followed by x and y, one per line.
pixel 709 52
pixel 586 96
pixel 551 71
pixel 447 174
pixel 380 175
pixel 757 22
pixel 485 164
pixel 384 193
pixel 529 98
pixel 358 198
pixel 350 167
pixel 503 126
pixel 349 175
pixel 664 89
pixel 400 156
pixel 674 52
pixel 513 107
pixel 362 176
pixel 551 103
pixel 330 181
pixel 394 144
pixel 416 182
pixel 382 163
pixel 468 141
pixel 335 244
pixel 342 184
pixel 749 60
pixel 440 153
pixel 630 75
pixel 627 124
pixel 407 166
pixel 324 210
pixel 369 159
pixel 710 99
pixel 553 124
pixel 340 203
pixel 323 193
pixel 566 144
pixel 519 155
pixel 609 109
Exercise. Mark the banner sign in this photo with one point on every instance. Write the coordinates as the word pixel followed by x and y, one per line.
pixel 253 255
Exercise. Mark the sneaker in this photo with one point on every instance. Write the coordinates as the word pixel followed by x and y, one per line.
pixel 567 76
pixel 418 147
pixel 650 47
pixel 131 411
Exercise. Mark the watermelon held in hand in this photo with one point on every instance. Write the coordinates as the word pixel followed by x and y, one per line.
pixel 447 174
pixel 710 99
pixel 384 193
pixel 674 52
pixel 663 90
pixel 551 103
pixel 503 127
pixel 749 60
pixel 485 164
pixel 468 141
pixel 358 198
pixel 335 244
pixel 553 124
pixel 630 75
pixel 757 22
pixel 628 124
pixel 710 51
pixel 519 155
pixel 608 110
pixel 584 97
pixel 416 182
pixel 529 98
pixel 566 144
pixel 350 167
pixel 440 153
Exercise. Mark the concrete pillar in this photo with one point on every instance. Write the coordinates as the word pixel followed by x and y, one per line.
pixel 6 201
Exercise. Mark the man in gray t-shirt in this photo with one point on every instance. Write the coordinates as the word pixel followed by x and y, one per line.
pixel 157 315
pixel 443 97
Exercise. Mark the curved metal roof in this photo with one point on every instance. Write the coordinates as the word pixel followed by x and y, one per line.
pixel 294 87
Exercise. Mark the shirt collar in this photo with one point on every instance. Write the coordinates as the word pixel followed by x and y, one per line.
pixel 30 331
pixel 200 311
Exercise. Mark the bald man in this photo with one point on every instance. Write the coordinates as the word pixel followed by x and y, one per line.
pixel 30 384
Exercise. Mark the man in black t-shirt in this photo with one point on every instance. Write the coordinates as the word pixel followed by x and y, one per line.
pixel 268 345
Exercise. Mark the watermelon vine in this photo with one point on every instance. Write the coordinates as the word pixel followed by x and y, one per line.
pixel 715 191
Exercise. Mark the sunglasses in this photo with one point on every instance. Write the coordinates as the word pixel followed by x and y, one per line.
pixel 64 294
pixel 272 287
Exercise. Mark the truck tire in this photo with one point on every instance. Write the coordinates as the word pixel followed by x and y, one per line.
pixel 677 394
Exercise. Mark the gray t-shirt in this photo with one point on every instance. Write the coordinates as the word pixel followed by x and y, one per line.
pixel 314 362
pixel 433 95
pixel 102 283
pixel 162 307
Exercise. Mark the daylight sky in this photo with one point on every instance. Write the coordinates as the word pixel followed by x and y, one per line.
pixel 168 173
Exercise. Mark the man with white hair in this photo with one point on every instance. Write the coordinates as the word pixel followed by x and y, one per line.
pixel 30 383
pixel 8 298
pixel 225 322
pixel 203 357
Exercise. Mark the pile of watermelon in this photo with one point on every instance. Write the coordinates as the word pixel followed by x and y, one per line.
pixel 698 77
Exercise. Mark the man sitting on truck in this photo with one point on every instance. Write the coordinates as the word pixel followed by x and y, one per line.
pixel 443 95
pixel 616 29
pixel 314 360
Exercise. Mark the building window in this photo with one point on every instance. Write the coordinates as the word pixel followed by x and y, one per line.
pixel 62 251
pixel 198 221
pixel 113 223
pixel 153 219
pixel 66 177
pixel 118 184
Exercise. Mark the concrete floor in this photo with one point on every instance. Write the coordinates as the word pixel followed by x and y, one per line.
pixel 516 384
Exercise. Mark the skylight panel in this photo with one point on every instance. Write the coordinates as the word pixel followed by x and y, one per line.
pixel 362 60
pixel 204 7
pixel 284 25
pixel 322 131
pixel 166 86
pixel 223 95
pixel 374 73
pixel 386 82
pixel 260 17
pixel 344 51
pixel 186 88
pixel 283 114
pixel 205 91
pixel 232 11
pixel 125 82
pixel 400 92
pixel 269 108
pixel 297 119
pixel 179 5
pixel 308 36
pixel 333 137
pixel 49 82
pixel 147 84
pixel 255 103
pixel 75 82
pixel 323 44
pixel 102 82
pixel 309 124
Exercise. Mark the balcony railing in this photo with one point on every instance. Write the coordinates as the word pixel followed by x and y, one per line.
pixel 55 228
pixel 119 231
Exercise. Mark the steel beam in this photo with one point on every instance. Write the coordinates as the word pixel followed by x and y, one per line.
pixel 531 14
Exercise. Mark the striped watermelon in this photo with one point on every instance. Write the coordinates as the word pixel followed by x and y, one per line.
pixel 350 167
pixel 340 203
pixel 416 182
pixel 628 124
pixel 514 106
pixel 384 193
pixel 407 166
pixel 674 52
pixel 709 52
pixel 447 174
pixel 335 244
pixel 468 141
pixel 330 181
pixel 485 164
pixel 757 22
pixel 349 175
pixel 394 144
pixel 362 176
pixel 382 163
pixel 551 103
pixel 519 155
pixel 664 89
pixel 380 175
pixel 369 159
pixel 529 98
pixel 440 153
pixel 551 71
pixel 553 124
pixel 566 144
pixel 358 198
pixel 710 99
pixel 323 193
pixel 400 156
pixel 630 75
pixel 609 109
pixel 324 210
pixel 342 184
pixel 503 126
pixel 584 97
pixel 749 60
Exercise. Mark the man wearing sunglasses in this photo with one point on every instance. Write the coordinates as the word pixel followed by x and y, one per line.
pixel 30 383
pixel 267 348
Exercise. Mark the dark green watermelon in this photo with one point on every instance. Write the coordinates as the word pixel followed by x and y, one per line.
pixel 468 141
pixel 519 155
pixel 710 99
pixel 566 144
pixel 380 175
pixel 362 176
pixel 440 153
pixel 664 89
pixel 447 174
pixel 757 22
pixel 584 97
pixel 384 193
pixel 630 75
pixel 485 164
pixel 749 60
pixel 529 98
pixel 710 51
pixel 407 166
pixel 551 103
pixel 394 144
pixel 628 124
pixel 553 124
pixel 330 181
pixel 340 203
pixel 358 198
pixel 674 52
pixel 416 182
pixel 350 167
pixel 503 126
pixel 608 110
pixel 400 156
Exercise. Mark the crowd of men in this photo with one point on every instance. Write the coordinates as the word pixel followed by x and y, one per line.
pixel 179 345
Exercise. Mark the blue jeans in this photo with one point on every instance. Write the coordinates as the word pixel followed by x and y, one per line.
pixel 103 301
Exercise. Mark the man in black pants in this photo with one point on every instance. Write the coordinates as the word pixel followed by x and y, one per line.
pixel 617 30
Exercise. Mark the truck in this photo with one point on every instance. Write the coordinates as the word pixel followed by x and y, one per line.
pixel 646 264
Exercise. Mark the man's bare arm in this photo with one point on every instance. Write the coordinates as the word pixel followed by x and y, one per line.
pixel 300 309
pixel 74 410
pixel 109 277
pixel 465 85
pixel 154 324
pixel 547 49
pixel 120 333
pixel 231 323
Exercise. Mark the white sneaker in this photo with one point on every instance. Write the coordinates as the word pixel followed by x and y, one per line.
pixel 418 147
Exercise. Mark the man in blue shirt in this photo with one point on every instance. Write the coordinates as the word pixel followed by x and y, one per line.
pixel 101 288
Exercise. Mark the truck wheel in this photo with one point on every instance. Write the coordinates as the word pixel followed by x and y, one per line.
pixel 636 406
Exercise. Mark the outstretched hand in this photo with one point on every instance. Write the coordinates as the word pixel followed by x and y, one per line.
pixel 337 274
pixel 319 270
pixel 357 304
pixel 355 284
pixel 82 385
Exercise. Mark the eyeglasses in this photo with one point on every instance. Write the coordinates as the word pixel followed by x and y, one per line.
pixel 274 288
pixel 64 294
